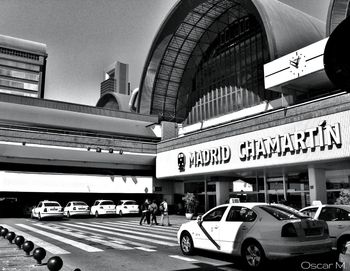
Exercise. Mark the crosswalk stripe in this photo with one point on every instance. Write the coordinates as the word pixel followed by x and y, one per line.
pixel 62 239
pixel 159 242
pixel 183 258
pixel 146 249
pixel 135 232
pixel 114 239
pixel 38 242
pixel 172 227
pixel 141 228
pixel 161 228
pixel 87 238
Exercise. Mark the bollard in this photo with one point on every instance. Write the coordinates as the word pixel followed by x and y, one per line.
pixel 19 240
pixel 28 247
pixel 55 263
pixel 10 236
pixel 39 254
pixel 4 232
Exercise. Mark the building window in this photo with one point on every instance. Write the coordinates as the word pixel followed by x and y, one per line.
pixel 230 75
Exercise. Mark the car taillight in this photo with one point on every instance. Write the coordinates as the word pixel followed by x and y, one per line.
pixel 74 208
pixel 125 207
pixel 288 230
pixel 101 207
pixel 45 210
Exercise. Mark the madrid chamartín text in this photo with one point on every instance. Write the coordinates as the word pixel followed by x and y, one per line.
pixel 320 136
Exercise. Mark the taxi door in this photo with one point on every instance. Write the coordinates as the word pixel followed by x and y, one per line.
pixel 235 226
pixel 207 235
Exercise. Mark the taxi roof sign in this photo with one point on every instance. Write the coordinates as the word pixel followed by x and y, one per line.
pixel 234 200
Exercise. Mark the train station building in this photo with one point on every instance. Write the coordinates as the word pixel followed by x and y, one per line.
pixel 246 96
pixel 243 99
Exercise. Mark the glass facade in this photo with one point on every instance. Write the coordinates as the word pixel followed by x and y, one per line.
pixel 21 73
pixel 230 76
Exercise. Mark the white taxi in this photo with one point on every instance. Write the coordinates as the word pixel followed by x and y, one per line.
pixel 46 209
pixel 256 232
pixel 103 207
pixel 338 220
pixel 127 207
pixel 75 208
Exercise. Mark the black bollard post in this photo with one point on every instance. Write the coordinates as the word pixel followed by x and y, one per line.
pixel 10 236
pixel 19 240
pixel 39 254
pixel 4 232
pixel 55 263
pixel 28 247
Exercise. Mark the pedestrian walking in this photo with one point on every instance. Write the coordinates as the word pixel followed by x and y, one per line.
pixel 145 212
pixel 163 207
pixel 153 208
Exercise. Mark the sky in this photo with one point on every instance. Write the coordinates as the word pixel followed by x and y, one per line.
pixel 83 37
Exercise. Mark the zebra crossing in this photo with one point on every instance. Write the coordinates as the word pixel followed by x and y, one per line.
pixel 95 237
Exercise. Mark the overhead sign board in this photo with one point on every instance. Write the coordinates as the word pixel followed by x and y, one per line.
pixel 324 138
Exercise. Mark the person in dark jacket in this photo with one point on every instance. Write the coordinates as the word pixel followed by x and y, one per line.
pixel 153 208
pixel 145 212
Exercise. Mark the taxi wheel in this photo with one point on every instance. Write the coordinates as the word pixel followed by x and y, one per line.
pixel 186 244
pixel 253 255
pixel 120 213
pixel 96 214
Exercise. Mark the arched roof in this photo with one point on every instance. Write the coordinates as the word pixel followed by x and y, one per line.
pixel 187 33
pixel 337 12
pixel 114 101
pixel 109 98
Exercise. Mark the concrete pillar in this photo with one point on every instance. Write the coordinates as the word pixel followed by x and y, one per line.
pixel 266 188
pixel 206 201
pixel 222 192
pixel 285 179
pixel 317 184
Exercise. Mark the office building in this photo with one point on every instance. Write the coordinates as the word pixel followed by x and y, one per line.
pixel 22 67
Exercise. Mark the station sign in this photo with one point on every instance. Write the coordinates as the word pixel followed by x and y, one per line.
pixel 317 139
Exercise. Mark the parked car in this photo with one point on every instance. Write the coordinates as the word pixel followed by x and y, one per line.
pixel 46 209
pixel 103 207
pixel 127 207
pixel 338 220
pixel 256 232
pixel 74 208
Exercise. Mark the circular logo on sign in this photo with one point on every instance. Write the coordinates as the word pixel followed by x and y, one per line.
pixel 181 161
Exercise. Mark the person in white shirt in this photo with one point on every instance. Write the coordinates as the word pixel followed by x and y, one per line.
pixel 164 212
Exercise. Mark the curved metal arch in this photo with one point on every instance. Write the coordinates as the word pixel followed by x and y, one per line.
pixel 286 29
pixel 107 97
pixel 210 19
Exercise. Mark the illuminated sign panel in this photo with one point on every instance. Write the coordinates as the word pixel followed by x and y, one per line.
pixel 318 139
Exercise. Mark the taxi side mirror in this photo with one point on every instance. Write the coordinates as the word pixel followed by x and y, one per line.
pixel 199 218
